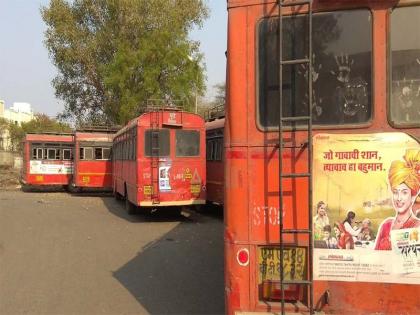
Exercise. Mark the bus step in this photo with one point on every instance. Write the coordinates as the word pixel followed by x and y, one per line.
pixel 296 231
pixel 296 118
pixel 294 175
pixel 302 282
pixel 293 3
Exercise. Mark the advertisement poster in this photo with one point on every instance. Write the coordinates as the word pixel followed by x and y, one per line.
pixel 50 167
pixel 164 183
pixel 366 212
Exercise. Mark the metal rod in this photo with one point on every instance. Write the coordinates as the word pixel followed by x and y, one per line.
pixel 296 118
pixel 280 134
pixel 294 175
pixel 297 231
pixel 310 156
pixel 294 3
pixel 295 61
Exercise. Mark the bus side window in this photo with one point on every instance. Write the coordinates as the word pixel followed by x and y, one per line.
pixel 34 150
pixel 208 155
pixel 39 155
pixel 219 149
pixel 45 156
pixel 66 154
pixel 51 154
pixel 106 153
pixel 57 154
pixel 98 154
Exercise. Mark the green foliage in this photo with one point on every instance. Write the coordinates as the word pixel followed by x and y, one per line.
pixel 114 55
pixel 3 125
pixel 43 123
pixel 39 124
pixel 16 135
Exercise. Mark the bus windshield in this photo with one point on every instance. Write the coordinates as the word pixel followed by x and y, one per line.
pixel 187 143
pixel 405 66
pixel 158 138
pixel 342 67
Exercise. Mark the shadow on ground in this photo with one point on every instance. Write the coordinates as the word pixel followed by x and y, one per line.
pixel 181 272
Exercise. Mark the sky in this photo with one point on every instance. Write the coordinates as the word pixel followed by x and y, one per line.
pixel 26 71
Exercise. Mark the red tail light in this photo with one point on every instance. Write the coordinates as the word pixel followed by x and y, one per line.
pixel 243 257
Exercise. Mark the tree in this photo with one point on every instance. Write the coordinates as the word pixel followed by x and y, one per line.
pixel 220 97
pixel 43 123
pixel 114 55
pixel 40 123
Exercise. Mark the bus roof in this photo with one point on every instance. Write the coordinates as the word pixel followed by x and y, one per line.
pixel 167 118
pixel 50 137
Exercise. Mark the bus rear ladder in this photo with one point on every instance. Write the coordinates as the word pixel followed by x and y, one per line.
pixel 154 124
pixel 289 123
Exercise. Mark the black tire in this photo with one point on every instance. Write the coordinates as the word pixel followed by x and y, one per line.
pixel 117 196
pixel 26 188
pixel 129 207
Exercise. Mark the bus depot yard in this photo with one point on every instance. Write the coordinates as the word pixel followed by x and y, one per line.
pixel 64 253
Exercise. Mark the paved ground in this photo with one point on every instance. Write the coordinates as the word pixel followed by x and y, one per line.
pixel 67 254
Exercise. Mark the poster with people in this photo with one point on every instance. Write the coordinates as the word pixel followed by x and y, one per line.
pixel 366 215
pixel 164 180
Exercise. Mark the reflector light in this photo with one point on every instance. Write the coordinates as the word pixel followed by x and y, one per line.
pixel 243 257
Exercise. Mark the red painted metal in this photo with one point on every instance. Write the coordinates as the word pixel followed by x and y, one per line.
pixel 134 178
pixel 92 173
pixel 45 172
pixel 215 168
pixel 252 164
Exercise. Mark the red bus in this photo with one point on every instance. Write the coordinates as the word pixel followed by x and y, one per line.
pixel 215 158
pixel 47 160
pixel 322 156
pixel 92 160
pixel 159 160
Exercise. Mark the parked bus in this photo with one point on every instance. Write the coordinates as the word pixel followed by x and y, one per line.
pixel 323 174
pixel 92 158
pixel 215 161
pixel 159 160
pixel 47 160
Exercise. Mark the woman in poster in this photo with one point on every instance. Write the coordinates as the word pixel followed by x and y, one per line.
pixel 404 180
pixel 348 226
pixel 320 220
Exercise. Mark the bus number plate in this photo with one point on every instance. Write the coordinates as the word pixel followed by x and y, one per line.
pixel 294 263
pixel 195 189
pixel 147 190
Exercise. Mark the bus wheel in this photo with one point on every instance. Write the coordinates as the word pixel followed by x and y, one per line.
pixel 129 207
pixel 117 196
pixel 25 188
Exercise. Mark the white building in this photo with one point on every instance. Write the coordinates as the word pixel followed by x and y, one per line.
pixel 18 113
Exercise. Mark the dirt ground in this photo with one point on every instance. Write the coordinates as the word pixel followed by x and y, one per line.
pixel 80 254
pixel 9 178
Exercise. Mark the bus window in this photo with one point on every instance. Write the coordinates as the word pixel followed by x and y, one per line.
pixel 405 66
pixel 162 138
pixel 37 153
pixel 219 152
pixel 51 154
pixel 106 153
pixel 187 142
pixel 86 153
pixel 208 150
pixel 342 68
pixel 98 154
pixel 66 154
